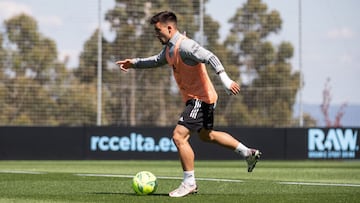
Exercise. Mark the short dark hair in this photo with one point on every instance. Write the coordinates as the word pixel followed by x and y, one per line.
pixel 164 17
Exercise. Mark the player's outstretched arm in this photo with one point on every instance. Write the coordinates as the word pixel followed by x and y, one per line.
pixel 200 54
pixel 125 64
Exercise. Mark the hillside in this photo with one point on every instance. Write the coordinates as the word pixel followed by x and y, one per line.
pixel 351 116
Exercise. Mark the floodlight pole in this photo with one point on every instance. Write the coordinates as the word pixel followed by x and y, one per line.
pixel 201 18
pixel 99 69
pixel 301 116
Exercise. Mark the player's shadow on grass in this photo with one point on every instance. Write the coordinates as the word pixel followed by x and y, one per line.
pixel 125 193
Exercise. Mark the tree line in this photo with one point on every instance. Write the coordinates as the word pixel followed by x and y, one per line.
pixel 38 89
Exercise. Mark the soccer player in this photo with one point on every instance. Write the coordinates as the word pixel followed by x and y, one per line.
pixel 187 59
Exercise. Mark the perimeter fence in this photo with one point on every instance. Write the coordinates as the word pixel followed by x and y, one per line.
pixel 38 87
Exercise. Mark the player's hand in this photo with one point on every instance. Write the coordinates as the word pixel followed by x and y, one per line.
pixel 125 64
pixel 235 88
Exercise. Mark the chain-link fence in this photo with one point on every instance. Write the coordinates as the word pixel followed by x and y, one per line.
pixel 36 88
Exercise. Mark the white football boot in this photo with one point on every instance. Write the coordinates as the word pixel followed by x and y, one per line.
pixel 183 190
pixel 252 159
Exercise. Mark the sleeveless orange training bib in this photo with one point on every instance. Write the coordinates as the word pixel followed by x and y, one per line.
pixel 193 81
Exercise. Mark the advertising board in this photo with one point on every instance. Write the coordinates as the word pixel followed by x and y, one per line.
pixel 147 143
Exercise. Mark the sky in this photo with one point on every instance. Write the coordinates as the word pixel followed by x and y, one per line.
pixel 330 36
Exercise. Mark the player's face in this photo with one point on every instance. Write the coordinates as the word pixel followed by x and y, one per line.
pixel 162 32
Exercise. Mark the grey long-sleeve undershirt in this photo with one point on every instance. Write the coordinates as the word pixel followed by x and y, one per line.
pixel 190 51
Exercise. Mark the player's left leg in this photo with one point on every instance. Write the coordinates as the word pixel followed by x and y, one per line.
pixel 181 136
pixel 188 186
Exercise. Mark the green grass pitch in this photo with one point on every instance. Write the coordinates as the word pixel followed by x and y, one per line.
pixel 218 181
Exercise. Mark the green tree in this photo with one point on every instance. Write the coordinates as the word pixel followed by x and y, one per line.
pixel 88 63
pixel 3 89
pixel 271 84
pixel 135 38
pixel 76 105
pixel 230 107
pixel 27 103
pixel 127 20
pixel 3 55
pixel 37 89
pixel 27 63
pixel 34 52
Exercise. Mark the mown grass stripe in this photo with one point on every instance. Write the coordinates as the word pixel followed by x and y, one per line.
pixel 179 178
pixel 160 177
pixel 320 184
pixel 22 172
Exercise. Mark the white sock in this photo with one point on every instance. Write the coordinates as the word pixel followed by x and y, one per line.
pixel 189 178
pixel 242 150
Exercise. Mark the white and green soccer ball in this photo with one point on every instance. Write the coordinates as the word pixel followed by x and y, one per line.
pixel 144 183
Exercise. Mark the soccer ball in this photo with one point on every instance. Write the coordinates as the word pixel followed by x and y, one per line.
pixel 144 183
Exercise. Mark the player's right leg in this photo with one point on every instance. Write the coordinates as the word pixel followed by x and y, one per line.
pixel 226 140
pixel 252 159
